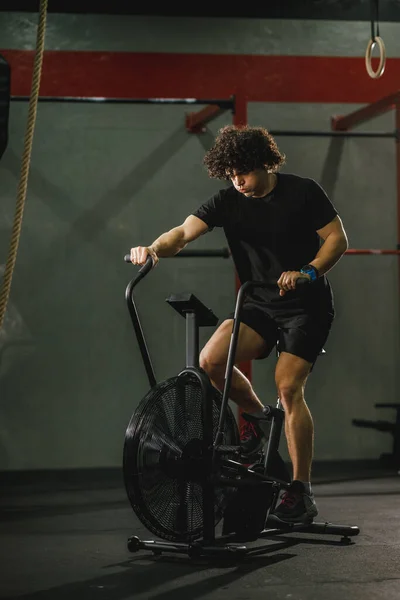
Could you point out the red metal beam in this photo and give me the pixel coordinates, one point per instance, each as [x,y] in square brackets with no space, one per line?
[195,121]
[366,113]
[309,79]
[240,111]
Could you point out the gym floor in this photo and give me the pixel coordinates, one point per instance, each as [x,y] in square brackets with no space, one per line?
[64,535]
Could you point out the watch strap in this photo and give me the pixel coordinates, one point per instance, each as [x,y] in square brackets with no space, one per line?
[310,270]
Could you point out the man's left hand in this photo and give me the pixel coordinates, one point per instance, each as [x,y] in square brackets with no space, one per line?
[287,281]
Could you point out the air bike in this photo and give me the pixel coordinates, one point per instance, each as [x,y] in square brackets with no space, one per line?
[182,463]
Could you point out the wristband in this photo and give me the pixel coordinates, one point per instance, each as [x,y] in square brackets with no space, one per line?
[311,271]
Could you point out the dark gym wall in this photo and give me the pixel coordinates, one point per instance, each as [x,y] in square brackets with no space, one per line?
[106,177]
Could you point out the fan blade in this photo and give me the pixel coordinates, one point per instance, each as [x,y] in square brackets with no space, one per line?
[164,440]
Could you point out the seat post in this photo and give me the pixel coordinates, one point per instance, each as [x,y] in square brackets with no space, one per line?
[197,315]
[192,339]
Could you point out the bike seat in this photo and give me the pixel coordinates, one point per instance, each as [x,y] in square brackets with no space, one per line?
[186,302]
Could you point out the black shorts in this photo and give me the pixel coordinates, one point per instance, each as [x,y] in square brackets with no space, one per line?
[301,334]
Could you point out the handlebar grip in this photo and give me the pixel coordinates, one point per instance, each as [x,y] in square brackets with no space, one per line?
[301,281]
[148,265]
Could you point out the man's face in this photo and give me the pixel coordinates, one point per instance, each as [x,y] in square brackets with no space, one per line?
[249,184]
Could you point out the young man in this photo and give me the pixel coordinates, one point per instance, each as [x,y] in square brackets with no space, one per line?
[279,227]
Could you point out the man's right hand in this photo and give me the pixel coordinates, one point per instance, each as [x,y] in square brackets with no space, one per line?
[140,253]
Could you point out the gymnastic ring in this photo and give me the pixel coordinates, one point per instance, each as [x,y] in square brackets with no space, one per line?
[382,57]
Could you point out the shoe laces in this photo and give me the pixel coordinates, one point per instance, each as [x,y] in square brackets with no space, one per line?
[247,430]
[289,499]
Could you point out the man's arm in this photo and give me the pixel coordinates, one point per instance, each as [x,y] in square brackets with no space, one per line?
[334,246]
[170,242]
[173,241]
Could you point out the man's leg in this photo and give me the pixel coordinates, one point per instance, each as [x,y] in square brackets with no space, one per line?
[213,360]
[297,504]
[214,356]
[290,376]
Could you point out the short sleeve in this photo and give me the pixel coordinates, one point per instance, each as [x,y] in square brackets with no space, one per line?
[211,212]
[320,210]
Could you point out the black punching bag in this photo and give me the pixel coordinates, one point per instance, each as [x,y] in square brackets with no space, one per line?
[5,90]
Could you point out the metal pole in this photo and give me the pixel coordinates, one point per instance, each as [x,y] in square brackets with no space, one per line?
[371,251]
[218,253]
[240,119]
[223,103]
[333,134]
[397,117]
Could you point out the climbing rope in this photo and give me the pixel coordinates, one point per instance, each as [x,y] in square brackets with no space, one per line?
[26,161]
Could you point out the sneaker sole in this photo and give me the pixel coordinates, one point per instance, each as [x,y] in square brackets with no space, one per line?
[304,521]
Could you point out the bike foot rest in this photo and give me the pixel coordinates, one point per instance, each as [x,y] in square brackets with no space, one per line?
[228,449]
[186,302]
[272,412]
[316,527]
[253,419]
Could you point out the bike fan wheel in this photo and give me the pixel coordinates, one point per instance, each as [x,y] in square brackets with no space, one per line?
[163,470]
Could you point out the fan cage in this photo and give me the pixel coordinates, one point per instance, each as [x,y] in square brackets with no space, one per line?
[165,496]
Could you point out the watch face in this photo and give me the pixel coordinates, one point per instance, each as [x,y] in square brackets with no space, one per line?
[310,272]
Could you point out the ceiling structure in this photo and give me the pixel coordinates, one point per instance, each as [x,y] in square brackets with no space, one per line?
[350,10]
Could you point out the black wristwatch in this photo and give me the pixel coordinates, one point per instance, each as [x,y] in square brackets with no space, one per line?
[311,271]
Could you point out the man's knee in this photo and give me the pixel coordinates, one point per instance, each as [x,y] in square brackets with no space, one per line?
[214,355]
[290,378]
[290,392]
[212,363]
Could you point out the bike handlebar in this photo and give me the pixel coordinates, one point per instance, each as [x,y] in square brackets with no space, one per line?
[143,271]
[205,253]
[146,268]
[148,265]
[302,281]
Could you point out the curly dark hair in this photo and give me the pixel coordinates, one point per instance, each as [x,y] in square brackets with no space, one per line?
[242,149]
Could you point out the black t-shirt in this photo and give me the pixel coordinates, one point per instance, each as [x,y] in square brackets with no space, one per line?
[273,234]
